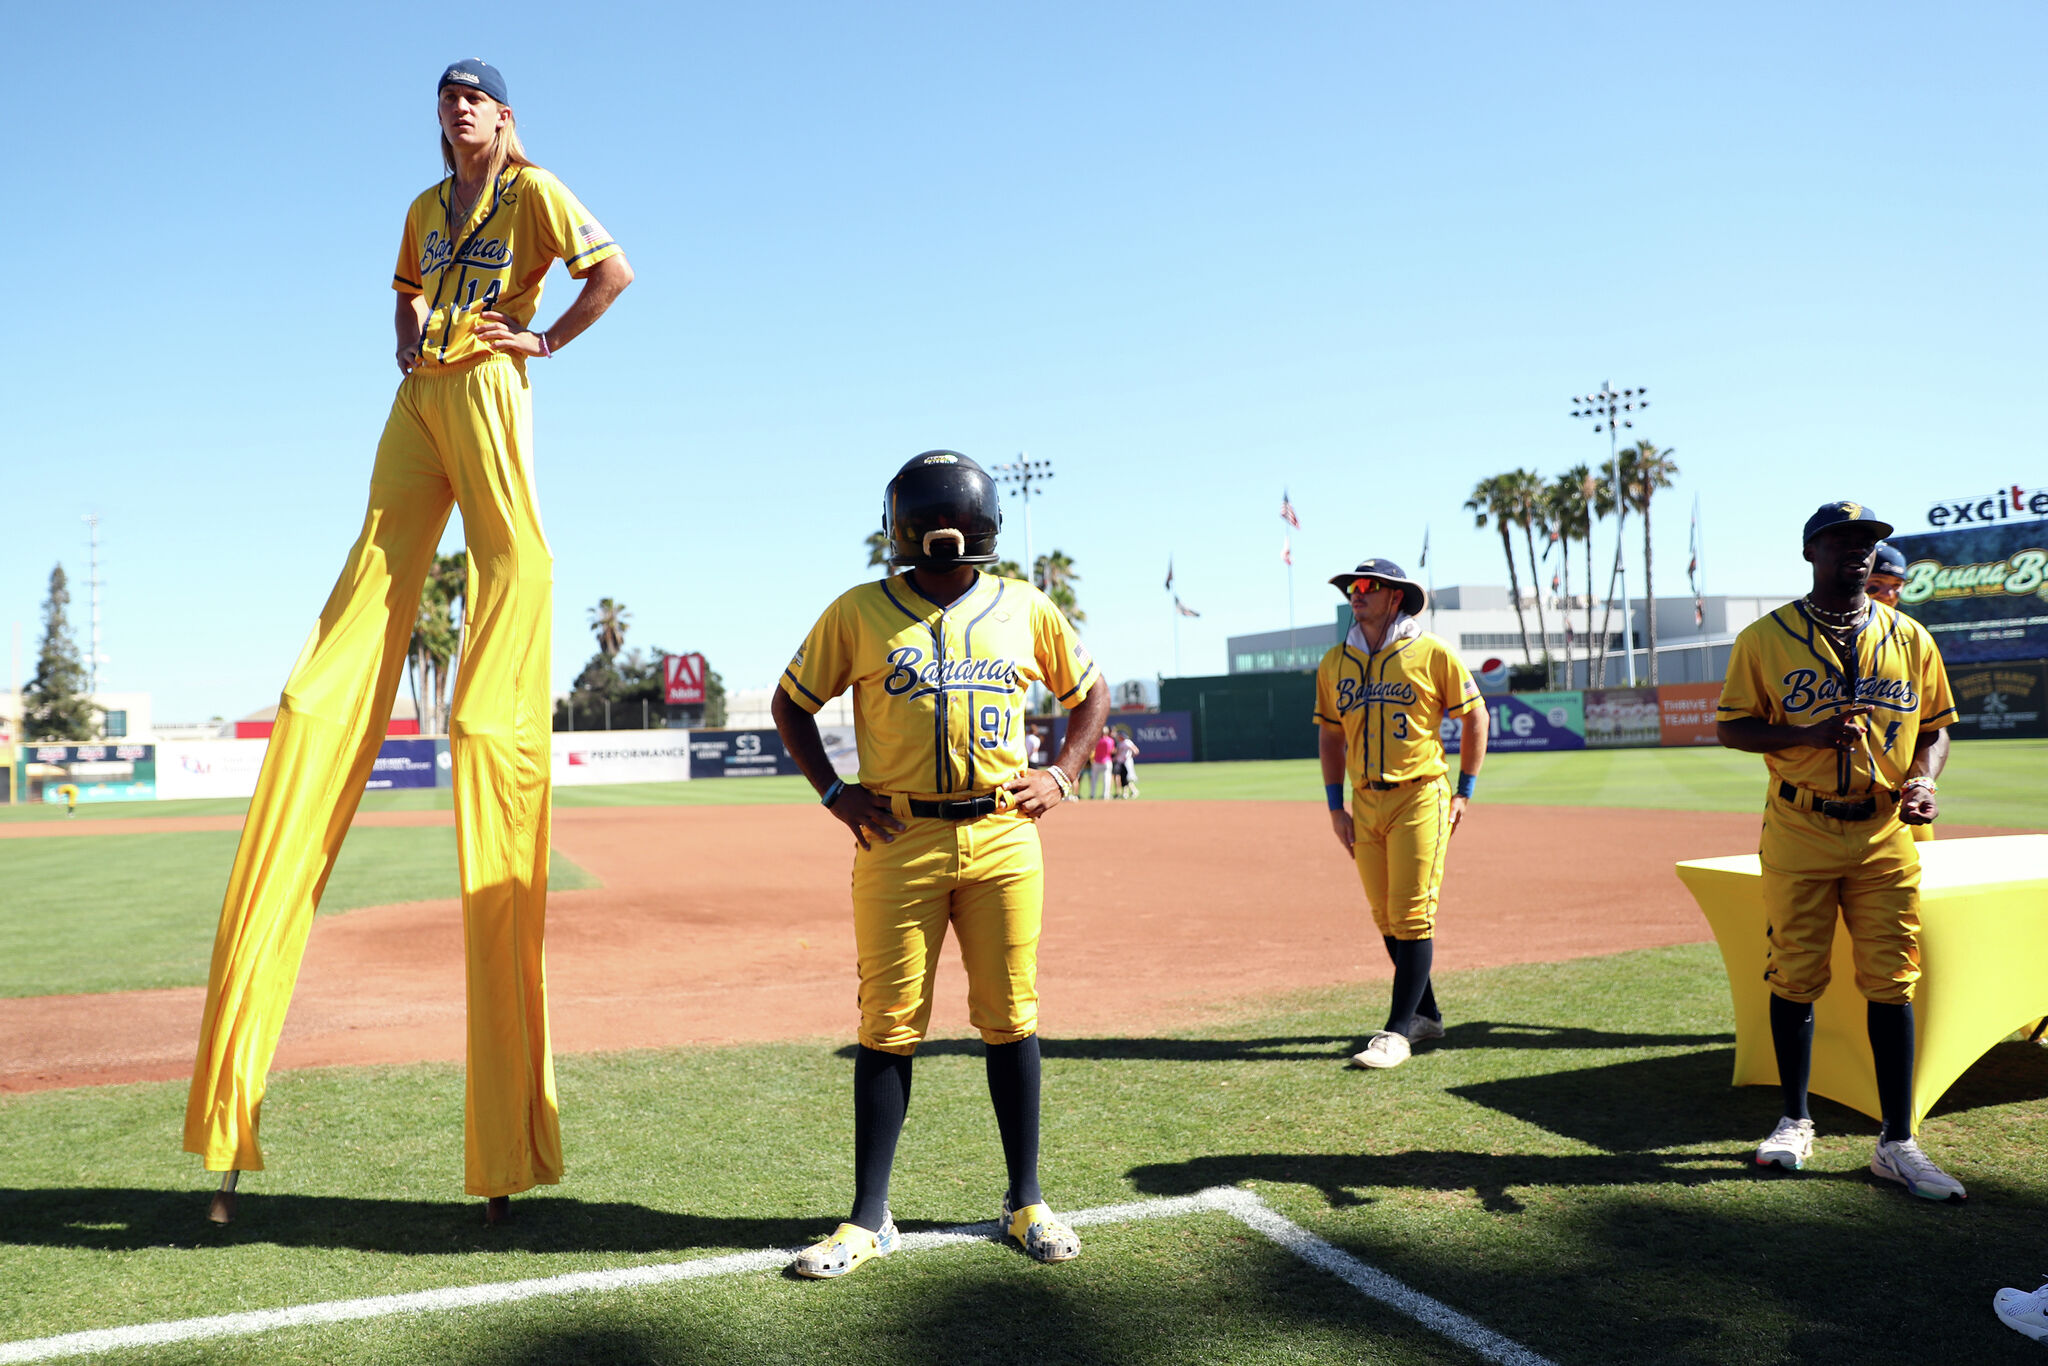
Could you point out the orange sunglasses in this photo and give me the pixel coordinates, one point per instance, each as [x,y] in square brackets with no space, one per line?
[1366,587]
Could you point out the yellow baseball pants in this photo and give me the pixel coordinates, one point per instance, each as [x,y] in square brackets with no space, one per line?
[453,439]
[1814,866]
[1399,839]
[984,877]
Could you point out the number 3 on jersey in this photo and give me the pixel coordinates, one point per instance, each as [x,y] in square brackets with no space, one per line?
[1400,725]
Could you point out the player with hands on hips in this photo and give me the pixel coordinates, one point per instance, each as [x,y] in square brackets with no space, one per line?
[941,659]
[473,253]
[1381,699]
[1848,702]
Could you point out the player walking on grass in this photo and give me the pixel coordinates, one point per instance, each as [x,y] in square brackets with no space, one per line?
[941,659]
[474,251]
[1381,699]
[1847,701]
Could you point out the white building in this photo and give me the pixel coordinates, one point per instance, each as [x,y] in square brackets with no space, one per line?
[1479,622]
[124,716]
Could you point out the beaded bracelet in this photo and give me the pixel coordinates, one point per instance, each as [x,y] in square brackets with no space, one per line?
[1059,776]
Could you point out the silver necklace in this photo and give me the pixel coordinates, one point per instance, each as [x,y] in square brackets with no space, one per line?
[1838,620]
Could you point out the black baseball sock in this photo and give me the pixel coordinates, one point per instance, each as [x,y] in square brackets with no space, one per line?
[1428,1005]
[1792,1041]
[1412,958]
[881,1098]
[1891,1044]
[1013,1085]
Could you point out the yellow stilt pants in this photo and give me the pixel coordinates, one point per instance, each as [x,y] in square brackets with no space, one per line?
[452,439]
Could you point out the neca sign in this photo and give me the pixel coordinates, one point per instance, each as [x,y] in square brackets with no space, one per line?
[1999,507]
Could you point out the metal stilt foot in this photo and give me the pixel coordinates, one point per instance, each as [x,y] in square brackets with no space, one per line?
[222,1210]
[498,1210]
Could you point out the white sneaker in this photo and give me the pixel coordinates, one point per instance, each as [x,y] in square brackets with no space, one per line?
[1789,1145]
[1384,1049]
[1904,1163]
[1422,1029]
[2023,1311]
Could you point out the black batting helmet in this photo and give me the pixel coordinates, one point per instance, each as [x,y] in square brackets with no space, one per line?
[941,511]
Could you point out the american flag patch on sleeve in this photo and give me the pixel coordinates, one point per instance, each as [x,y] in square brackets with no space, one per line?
[589,232]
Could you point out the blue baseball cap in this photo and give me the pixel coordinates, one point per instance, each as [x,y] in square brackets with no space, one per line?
[1386,571]
[477,74]
[1837,514]
[1890,560]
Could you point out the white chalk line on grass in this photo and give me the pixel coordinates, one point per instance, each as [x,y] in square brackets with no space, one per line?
[1242,1205]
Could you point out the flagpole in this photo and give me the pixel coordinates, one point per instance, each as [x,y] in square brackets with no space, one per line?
[1699,589]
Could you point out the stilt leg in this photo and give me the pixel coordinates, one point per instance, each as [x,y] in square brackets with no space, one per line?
[222,1210]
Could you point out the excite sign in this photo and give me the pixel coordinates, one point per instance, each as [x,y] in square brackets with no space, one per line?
[684,676]
[2001,506]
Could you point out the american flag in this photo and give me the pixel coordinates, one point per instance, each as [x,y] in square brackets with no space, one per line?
[589,232]
[1287,513]
[1692,571]
[1286,551]
[1183,608]
[1169,573]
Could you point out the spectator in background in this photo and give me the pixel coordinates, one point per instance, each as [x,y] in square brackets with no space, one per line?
[1034,749]
[1098,764]
[1127,752]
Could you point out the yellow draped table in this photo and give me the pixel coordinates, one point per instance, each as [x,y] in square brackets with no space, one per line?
[1983,959]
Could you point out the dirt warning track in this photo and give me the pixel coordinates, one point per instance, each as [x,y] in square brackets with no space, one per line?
[727,924]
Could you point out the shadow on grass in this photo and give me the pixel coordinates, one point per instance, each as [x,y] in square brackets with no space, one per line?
[115,1219]
[1296,1047]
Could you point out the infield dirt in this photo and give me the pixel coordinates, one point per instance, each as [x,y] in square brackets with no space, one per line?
[732,924]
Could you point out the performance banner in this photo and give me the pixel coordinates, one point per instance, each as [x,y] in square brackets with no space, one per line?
[2000,701]
[1622,718]
[1981,592]
[588,758]
[1529,721]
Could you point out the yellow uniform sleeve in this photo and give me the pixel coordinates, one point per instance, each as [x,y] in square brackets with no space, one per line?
[1454,684]
[1937,703]
[1326,713]
[567,229]
[823,667]
[1743,693]
[1063,660]
[406,278]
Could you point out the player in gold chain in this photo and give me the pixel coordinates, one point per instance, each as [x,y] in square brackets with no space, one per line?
[1847,701]
[1382,697]
[473,253]
[941,660]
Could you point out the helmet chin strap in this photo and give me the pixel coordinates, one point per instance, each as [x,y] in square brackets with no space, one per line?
[942,535]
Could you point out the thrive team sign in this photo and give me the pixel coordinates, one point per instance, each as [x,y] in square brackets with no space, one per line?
[1982,593]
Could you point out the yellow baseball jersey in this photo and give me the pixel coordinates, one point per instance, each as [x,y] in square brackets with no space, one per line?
[939,692]
[1785,671]
[1390,705]
[494,260]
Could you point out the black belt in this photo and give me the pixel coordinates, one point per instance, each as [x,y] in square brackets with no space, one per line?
[966,809]
[1389,787]
[1825,806]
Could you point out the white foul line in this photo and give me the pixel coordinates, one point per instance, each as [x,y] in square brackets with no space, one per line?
[1242,1205]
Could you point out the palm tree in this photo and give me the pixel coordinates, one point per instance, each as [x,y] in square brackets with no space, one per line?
[609,623]
[1653,470]
[1493,498]
[878,551]
[1055,577]
[1524,490]
[1571,512]
[450,576]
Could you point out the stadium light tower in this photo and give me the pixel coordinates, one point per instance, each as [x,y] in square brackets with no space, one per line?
[92,687]
[1024,478]
[1609,410]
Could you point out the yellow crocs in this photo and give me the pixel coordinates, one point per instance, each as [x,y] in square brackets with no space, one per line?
[1040,1233]
[846,1249]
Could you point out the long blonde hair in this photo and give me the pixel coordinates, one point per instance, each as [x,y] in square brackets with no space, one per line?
[506,149]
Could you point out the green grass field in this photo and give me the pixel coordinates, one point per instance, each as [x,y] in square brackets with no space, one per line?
[1570,1168]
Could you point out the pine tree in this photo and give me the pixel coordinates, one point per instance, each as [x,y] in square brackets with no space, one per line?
[55,705]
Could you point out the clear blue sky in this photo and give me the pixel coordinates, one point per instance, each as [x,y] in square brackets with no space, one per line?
[1191,253]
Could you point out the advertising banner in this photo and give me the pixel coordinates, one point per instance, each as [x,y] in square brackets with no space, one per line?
[589,758]
[683,677]
[2000,701]
[1982,592]
[186,769]
[402,763]
[1529,721]
[1164,737]
[100,773]
[1622,718]
[738,754]
[1686,713]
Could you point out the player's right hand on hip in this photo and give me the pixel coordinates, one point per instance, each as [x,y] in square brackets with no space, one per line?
[862,811]
[1347,833]
[1840,731]
[408,358]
